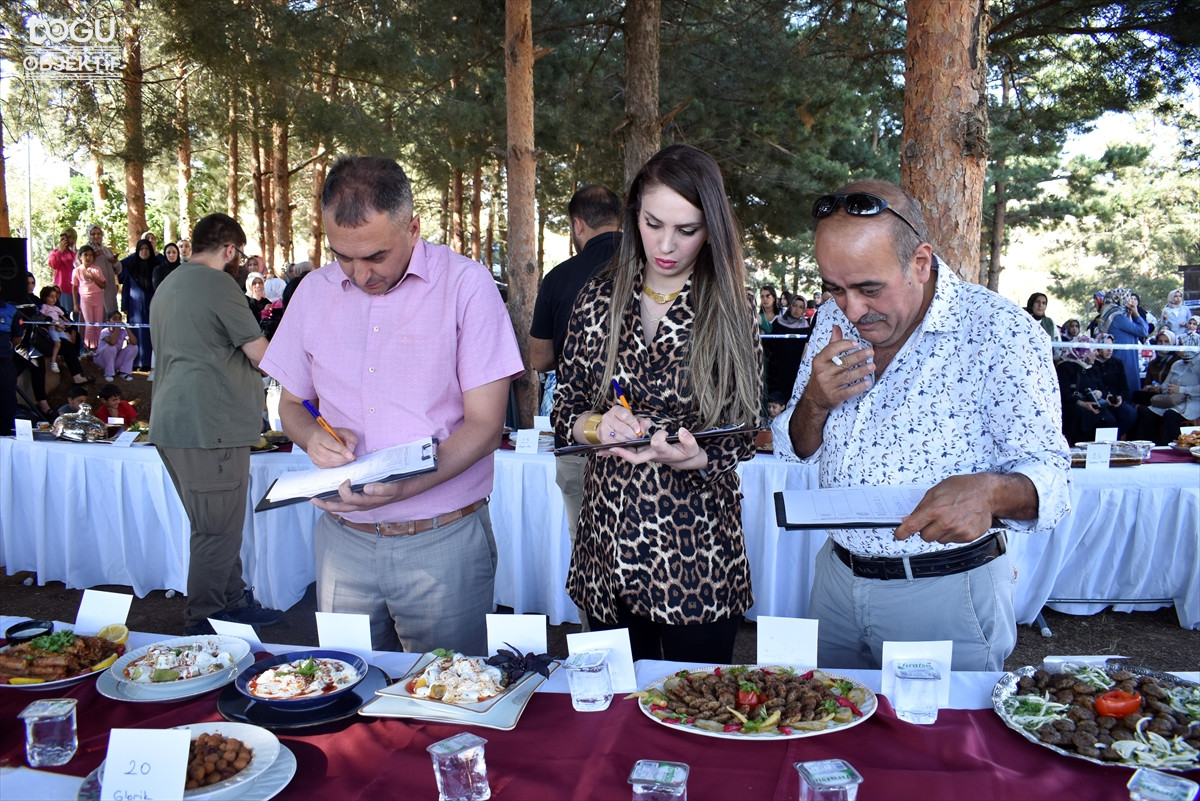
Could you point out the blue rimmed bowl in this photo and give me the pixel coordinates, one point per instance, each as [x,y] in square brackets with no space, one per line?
[304,703]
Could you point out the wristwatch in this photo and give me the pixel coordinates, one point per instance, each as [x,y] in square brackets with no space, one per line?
[589,429]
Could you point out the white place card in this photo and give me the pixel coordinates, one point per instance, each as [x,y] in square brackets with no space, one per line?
[24,429]
[787,641]
[620,655]
[527,633]
[243,631]
[542,423]
[1098,454]
[116,421]
[99,609]
[125,439]
[145,763]
[527,440]
[1188,429]
[1106,435]
[939,652]
[345,632]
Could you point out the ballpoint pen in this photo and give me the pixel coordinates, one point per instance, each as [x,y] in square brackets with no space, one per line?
[324,423]
[625,403]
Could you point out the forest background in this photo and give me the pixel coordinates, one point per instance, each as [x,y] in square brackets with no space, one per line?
[240,106]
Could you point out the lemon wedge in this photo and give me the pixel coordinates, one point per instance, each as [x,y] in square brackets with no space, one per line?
[114,633]
[25,680]
[101,665]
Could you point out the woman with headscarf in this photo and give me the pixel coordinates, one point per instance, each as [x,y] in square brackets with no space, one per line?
[1160,365]
[171,260]
[1119,316]
[1175,315]
[1036,306]
[136,294]
[256,294]
[1106,381]
[1078,405]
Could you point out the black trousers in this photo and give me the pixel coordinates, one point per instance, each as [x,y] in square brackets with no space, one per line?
[700,642]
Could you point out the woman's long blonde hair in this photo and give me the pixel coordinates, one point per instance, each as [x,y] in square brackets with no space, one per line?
[723,364]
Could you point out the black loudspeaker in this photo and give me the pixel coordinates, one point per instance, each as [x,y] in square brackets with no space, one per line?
[12,257]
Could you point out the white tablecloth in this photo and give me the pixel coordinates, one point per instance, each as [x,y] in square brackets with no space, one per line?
[93,514]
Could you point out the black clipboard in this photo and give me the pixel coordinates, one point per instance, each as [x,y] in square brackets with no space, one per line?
[640,441]
[428,464]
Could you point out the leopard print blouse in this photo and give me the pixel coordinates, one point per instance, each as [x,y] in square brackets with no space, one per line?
[667,542]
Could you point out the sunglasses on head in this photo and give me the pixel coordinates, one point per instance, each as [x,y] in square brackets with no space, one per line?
[857,204]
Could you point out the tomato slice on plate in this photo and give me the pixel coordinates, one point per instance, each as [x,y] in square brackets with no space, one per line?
[1118,703]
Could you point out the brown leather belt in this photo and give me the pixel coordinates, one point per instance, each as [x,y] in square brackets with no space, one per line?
[406,528]
[944,563]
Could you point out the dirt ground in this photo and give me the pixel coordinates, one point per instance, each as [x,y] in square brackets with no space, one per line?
[1151,639]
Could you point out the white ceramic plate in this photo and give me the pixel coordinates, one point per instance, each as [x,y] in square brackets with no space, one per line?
[237,648]
[868,709]
[503,715]
[267,751]
[109,687]
[400,689]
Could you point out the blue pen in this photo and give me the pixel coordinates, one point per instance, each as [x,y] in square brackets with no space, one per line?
[324,423]
[625,403]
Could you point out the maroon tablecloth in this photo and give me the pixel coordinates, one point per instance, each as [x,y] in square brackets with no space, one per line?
[556,753]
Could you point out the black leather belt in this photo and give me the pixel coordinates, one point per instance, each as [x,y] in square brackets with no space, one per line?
[945,563]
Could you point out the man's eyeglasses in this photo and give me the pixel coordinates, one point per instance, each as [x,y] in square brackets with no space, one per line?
[242,255]
[857,204]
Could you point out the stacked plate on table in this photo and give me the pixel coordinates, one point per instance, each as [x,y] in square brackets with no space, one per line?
[127,679]
[497,712]
[272,766]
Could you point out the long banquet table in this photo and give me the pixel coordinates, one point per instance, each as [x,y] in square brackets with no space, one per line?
[94,514]
[557,753]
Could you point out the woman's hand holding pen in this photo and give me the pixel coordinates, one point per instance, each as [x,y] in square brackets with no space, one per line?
[620,424]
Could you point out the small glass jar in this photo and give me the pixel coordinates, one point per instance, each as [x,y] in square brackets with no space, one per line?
[653,780]
[915,697]
[1153,785]
[50,734]
[460,769]
[828,780]
[588,678]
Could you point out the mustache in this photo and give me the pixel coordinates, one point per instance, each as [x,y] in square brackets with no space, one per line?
[873,317]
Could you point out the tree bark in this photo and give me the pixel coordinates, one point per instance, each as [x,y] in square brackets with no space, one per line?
[999,206]
[943,162]
[476,201]
[266,177]
[5,228]
[231,148]
[521,161]
[131,115]
[283,205]
[642,133]
[183,151]
[316,230]
[457,238]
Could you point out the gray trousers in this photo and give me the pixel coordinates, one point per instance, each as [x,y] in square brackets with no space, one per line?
[973,609]
[212,483]
[430,590]
[568,475]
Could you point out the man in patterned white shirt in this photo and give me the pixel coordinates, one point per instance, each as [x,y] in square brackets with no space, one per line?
[955,389]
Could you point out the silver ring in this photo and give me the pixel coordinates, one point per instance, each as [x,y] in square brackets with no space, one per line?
[837,360]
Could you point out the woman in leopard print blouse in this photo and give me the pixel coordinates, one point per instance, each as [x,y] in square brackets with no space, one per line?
[659,547]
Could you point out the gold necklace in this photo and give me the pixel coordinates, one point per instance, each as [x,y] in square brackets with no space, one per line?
[659,297]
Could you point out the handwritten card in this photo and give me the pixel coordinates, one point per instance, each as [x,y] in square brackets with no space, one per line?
[939,652]
[243,631]
[787,641]
[145,763]
[1098,454]
[99,609]
[620,655]
[345,632]
[125,439]
[524,632]
[24,429]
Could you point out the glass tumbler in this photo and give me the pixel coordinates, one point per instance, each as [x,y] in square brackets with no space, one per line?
[50,734]
[459,768]
[588,677]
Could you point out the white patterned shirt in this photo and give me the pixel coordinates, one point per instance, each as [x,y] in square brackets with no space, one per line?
[973,390]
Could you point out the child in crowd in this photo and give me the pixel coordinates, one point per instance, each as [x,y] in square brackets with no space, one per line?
[76,397]
[111,406]
[116,349]
[58,332]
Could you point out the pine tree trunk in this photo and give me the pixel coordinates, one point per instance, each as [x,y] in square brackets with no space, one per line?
[283,205]
[183,151]
[457,240]
[943,162]
[131,115]
[316,230]
[266,177]
[523,272]
[5,228]
[476,202]
[231,148]
[642,134]
[999,213]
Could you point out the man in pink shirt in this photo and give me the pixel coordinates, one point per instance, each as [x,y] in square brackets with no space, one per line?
[399,339]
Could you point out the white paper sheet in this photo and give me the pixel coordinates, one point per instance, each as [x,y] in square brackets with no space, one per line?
[840,507]
[526,633]
[399,460]
[939,652]
[243,631]
[787,641]
[340,631]
[98,609]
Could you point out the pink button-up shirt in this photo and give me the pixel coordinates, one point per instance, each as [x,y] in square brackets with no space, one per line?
[393,368]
